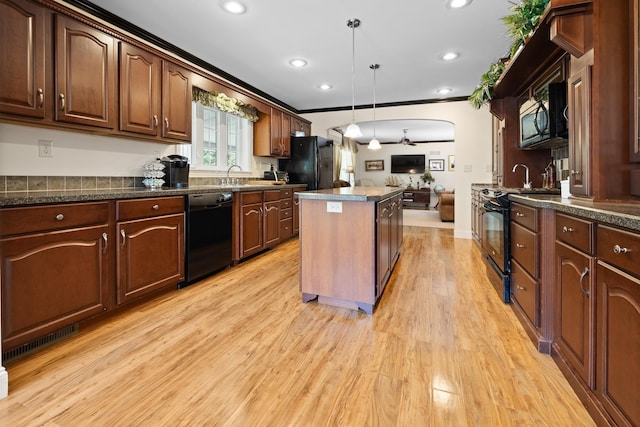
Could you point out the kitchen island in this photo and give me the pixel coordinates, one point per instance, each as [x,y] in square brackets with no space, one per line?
[350,240]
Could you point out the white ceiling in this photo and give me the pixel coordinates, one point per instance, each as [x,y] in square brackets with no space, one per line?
[406,37]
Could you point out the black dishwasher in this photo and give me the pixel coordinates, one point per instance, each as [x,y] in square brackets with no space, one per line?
[208,239]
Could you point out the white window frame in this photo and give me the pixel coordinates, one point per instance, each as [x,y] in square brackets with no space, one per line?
[195,152]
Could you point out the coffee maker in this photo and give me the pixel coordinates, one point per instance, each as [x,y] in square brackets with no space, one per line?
[176,171]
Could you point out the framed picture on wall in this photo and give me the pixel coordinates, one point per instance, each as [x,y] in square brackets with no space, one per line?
[436,164]
[374,165]
[452,162]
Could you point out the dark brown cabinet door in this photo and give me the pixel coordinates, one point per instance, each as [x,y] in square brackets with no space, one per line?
[52,280]
[579,111]
[150,254]
[618,374]
[575,313]
[383,245]
[140,84]
[296,214]
[276,147]
[285,135]
[85,75]
[251,234]
[176,102]
[22,85]
[271,223]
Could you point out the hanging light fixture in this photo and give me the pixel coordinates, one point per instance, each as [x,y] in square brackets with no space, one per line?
[374,144]
[353,130]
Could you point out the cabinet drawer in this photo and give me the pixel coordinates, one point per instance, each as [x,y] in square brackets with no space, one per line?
[524,248]
[142,208]
[286,203]
[271,195]
[251,198]
[619,248]
[525,216]
[524,290]
[53,217]
[575,232]
[286,228]
[286,193]
[286,213]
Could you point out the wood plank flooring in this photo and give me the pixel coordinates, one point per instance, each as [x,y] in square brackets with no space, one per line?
[241,349]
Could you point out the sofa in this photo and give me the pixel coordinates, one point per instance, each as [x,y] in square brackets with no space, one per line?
[446,205]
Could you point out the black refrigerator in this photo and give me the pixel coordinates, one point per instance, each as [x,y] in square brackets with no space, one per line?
[311,162]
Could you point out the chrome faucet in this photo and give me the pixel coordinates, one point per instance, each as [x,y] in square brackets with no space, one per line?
[527,184]
[229,170]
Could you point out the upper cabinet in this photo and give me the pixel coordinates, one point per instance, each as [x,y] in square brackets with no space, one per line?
[85,74]
[22,48]
[272,135]
[155,95]
[635,143]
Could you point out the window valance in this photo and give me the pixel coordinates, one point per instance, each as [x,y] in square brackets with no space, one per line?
[225,103]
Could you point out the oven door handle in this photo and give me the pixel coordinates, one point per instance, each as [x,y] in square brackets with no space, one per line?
[493,207]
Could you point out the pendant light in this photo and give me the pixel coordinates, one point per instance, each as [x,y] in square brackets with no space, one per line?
[374,144]
[353,130]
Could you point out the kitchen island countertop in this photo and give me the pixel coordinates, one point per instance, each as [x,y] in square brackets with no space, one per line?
[352,194]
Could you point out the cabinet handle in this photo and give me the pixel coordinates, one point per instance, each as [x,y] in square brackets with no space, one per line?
[582,276]
[574,172]
[155,121]
[62,103]
[521,288]
[59,217]
[617,249]
[519,215]
[155,207]
[124,238]
[166,123]
[519,246]
[566,229]
[106,243]
[40,98]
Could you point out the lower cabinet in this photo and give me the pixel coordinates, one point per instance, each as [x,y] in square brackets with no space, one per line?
[286,214]
[259,224]
[618,324]
[389,239]
[55,268]
[150,251]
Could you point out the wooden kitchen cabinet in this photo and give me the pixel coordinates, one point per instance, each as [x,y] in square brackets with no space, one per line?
[272,135]
[155,95]
[575,299]
[389,239]
[525,261]
[150,247]
[259,221]
[579,113]
[85,64]
[23,66]
[286,214]
[55,268]
[299,125]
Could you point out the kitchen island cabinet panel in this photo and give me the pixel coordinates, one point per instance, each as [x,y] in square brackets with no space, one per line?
[22,48]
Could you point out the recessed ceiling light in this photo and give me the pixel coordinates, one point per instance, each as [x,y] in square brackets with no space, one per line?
[449,56]
[233,7]
[444,90]
[298,63]
[325,86]
[457,4]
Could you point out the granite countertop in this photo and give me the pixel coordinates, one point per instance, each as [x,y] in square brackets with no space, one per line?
[621,214]
[352,194]
[26,198]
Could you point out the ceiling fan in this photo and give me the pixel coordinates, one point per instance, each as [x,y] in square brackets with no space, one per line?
[404,140]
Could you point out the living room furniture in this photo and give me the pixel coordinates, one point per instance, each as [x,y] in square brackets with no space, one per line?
[446,205]
[416,198]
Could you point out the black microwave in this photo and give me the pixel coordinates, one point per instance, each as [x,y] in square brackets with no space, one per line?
[543,118]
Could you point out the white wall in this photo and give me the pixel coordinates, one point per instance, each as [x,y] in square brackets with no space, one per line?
[472,147]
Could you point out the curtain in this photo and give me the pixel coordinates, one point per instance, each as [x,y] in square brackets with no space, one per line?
[224,103]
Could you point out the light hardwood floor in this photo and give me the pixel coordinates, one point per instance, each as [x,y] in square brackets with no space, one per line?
[241,349]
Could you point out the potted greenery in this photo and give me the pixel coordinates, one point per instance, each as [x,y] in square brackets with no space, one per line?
[427,178]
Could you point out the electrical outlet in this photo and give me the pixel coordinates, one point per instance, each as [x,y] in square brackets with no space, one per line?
[468,168]
[45,148]
[335,207]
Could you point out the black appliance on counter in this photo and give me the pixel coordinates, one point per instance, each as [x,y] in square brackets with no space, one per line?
[208,237]
[311,162]
[176,171]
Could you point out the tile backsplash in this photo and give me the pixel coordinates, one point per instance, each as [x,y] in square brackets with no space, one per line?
[61,183]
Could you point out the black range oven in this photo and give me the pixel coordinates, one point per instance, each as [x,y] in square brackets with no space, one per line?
[496,219]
